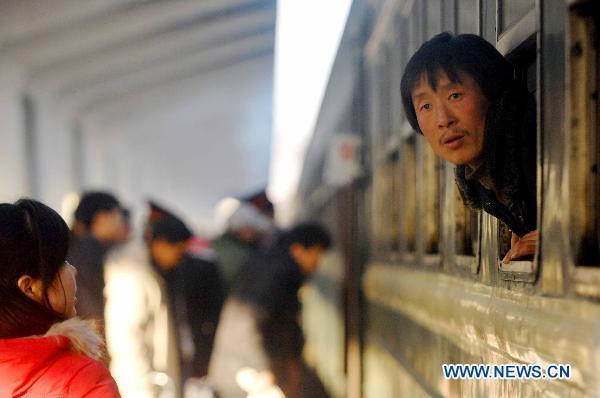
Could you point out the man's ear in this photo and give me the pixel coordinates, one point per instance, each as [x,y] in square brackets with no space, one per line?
[31,287]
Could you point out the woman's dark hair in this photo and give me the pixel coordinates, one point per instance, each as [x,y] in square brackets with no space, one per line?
[465,53]
[34,241]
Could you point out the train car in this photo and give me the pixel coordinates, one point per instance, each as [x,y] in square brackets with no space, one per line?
[415,280]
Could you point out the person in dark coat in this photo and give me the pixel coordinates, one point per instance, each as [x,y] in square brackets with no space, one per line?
[268,290]
[99,224]
[195,292]
[244,229]
[461,94]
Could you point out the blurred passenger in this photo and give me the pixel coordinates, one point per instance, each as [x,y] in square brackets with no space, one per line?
[156,212]
[261,202]
[259,341]
[140,329]
[196,290]
[245,227]
[99,225]
[44,350]
[199,286]
[162,310]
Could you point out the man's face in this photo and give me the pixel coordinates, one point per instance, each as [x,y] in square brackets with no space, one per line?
[166,254]
[109,225]
[307,257]
[452,118]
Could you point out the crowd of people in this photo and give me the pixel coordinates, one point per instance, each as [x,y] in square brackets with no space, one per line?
[95,311]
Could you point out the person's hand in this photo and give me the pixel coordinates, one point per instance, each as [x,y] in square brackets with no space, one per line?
[258,384]
[521,247]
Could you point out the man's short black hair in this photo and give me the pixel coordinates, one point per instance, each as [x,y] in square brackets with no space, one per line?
[92,203]
[465,53]
[171,229]
[309,234]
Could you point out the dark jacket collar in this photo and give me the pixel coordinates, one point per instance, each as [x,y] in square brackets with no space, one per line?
[509,156]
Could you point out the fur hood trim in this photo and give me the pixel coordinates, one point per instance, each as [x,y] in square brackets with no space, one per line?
[83,336]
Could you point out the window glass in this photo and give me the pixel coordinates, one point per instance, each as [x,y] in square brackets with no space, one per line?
[392,205]
[524,61]
[467,16]
[385,113]
[408,194]
[377,211]
[434,18]
[431,208]
[467,227]
[513,10]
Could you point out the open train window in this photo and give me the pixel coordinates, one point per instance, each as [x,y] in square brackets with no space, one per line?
[516,30]
[524,59]
[584,139]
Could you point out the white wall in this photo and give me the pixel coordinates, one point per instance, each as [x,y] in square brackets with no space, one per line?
[169,109]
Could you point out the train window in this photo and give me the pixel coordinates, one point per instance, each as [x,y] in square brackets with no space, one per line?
[466,15]
[407,193]
[392,202]
[434,17]
[378,221]
[396,71]
[524,60]
[411,23]
[460,225]
[430,194]
[374,109]
[521,28]
[386,210]
[385,92]
[511,11]
[466,234]
[584,139]
[376,141]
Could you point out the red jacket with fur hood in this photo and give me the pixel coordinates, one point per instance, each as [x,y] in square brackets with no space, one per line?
[61,364]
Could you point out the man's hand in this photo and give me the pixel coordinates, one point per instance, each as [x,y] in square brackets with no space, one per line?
[521,247]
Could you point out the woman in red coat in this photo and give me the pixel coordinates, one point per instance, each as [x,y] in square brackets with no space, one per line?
[44,350]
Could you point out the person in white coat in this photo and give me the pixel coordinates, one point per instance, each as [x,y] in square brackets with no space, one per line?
[141,336]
